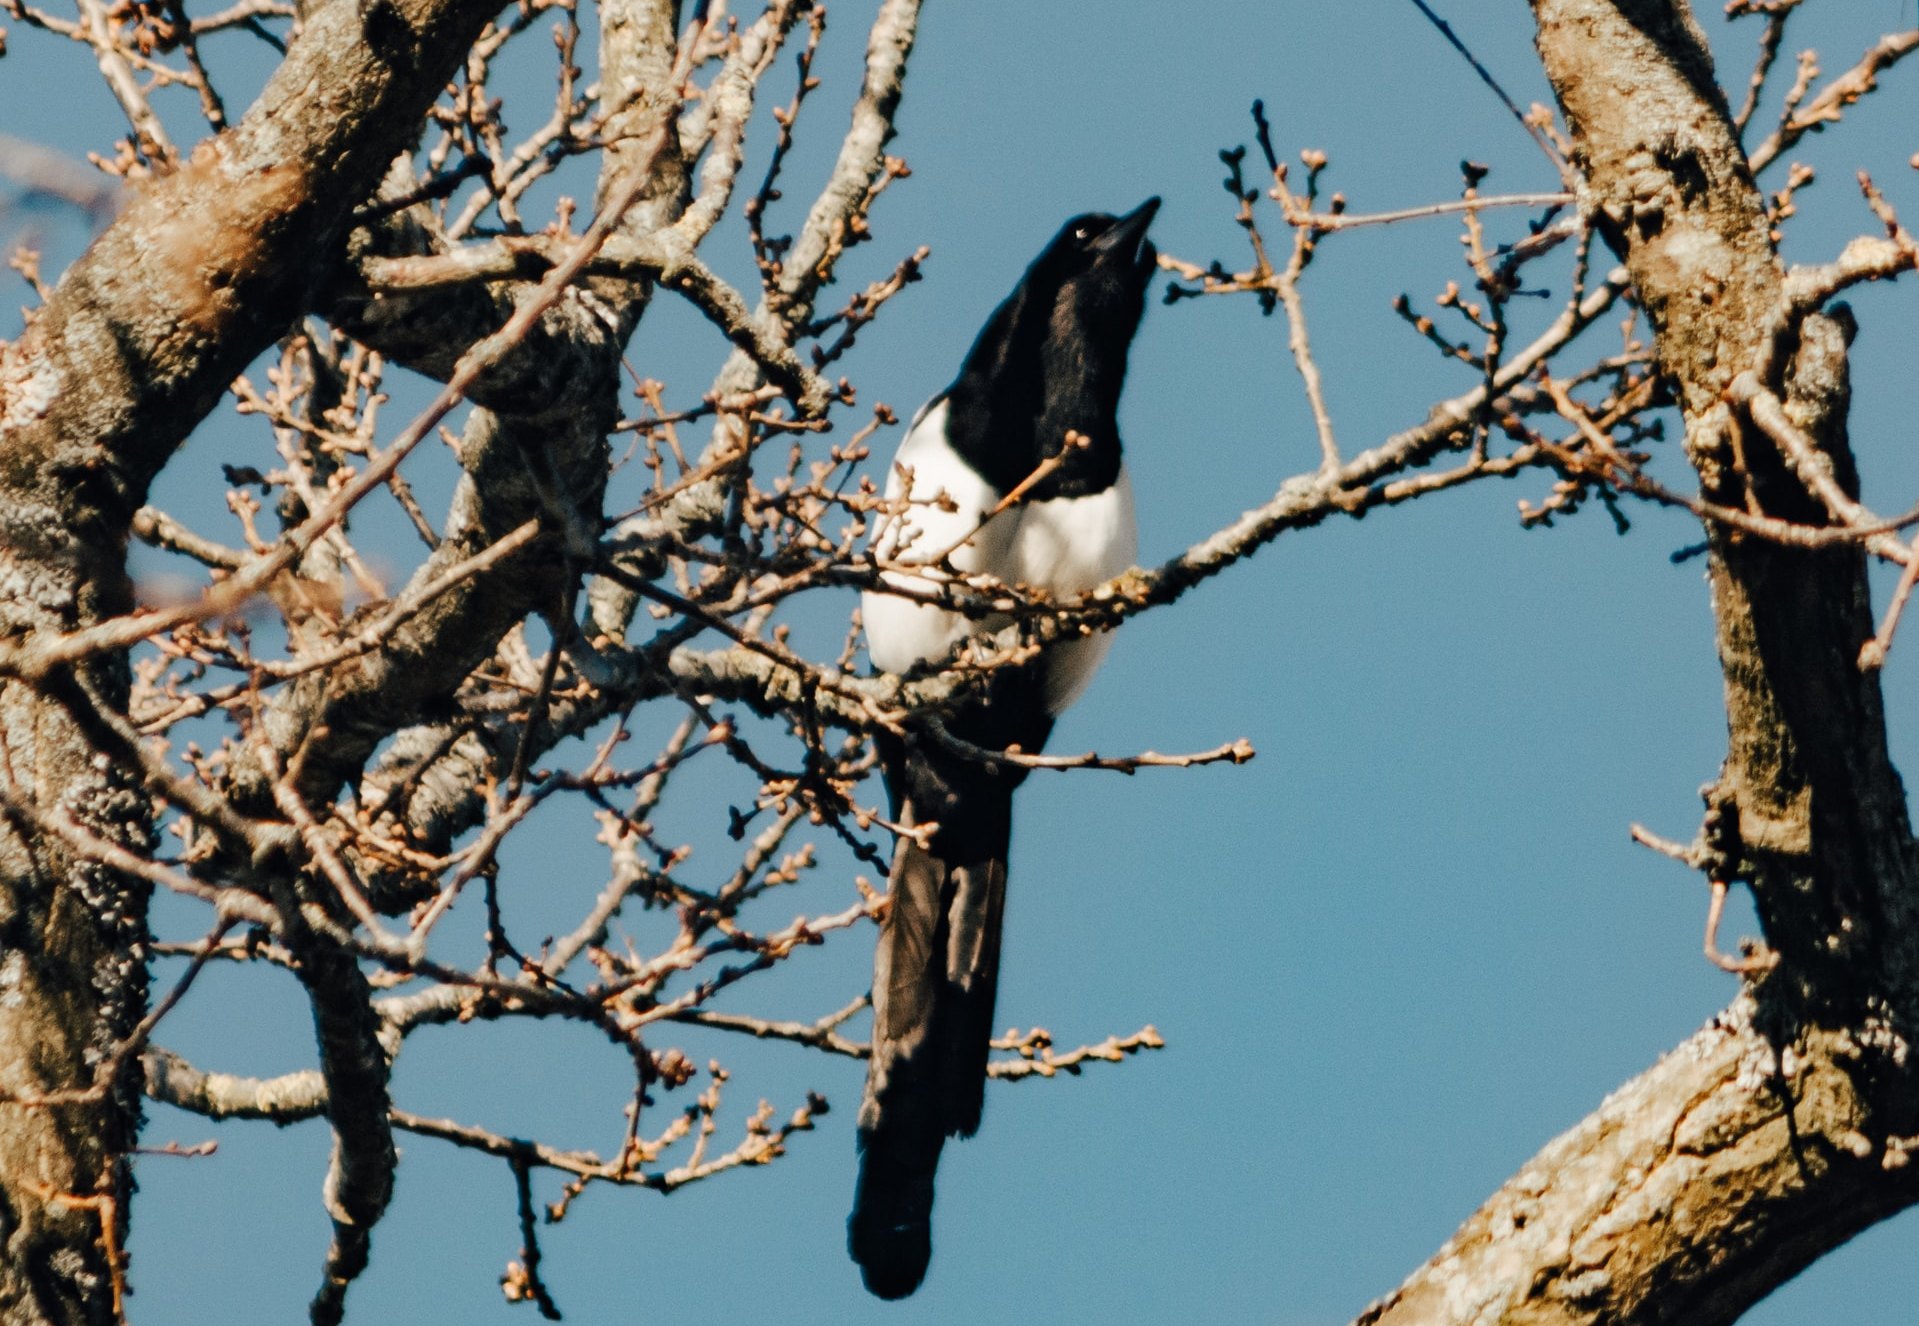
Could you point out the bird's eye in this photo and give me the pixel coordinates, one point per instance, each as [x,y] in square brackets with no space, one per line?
[1082,232]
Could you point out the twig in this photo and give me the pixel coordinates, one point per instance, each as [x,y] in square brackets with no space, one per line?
[1326,222]
[107,1207]
[1872,654]
[1036,1057]
[1769,42]
[522,1279]
[1757,958]
[151,135]
[1233,752]
[1812,465]
[1834,98]
[820,1035]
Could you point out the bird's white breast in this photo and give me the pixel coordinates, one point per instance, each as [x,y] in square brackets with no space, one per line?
[1067,546]
[1063,546]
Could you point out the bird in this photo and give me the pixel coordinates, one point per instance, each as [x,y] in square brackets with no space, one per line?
[1014,471]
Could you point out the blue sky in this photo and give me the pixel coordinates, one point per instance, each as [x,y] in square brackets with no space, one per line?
[1391,958]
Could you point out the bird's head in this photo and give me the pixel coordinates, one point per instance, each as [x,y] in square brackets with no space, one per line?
[1069,322]
[1097,269]
[1052,358]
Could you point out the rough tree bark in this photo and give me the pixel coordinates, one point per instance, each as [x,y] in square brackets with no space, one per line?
[1768,1138]
[208,264]
[1780,1130]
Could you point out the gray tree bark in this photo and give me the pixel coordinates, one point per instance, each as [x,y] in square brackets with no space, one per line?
[204,269]
[1781,1130]
[1768,1138]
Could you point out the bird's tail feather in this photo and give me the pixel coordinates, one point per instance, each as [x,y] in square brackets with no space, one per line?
[934,981]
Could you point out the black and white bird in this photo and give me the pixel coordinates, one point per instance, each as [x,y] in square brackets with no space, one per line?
[1048,363]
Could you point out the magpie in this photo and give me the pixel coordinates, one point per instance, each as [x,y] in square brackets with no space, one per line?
[1038,395]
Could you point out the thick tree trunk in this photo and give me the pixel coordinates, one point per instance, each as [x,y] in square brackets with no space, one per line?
[1781,1130]
[204,268]
[72,985]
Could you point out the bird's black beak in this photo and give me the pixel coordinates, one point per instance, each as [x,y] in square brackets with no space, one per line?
[1128,235]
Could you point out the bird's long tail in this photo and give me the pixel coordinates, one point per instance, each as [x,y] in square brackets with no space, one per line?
[934,980]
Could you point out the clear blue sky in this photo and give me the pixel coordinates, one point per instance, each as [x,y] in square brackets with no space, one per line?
[1391,958]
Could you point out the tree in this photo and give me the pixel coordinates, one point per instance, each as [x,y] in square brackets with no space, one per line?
[330,760]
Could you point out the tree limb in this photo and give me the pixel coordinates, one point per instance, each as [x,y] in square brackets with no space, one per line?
[1781,1129]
